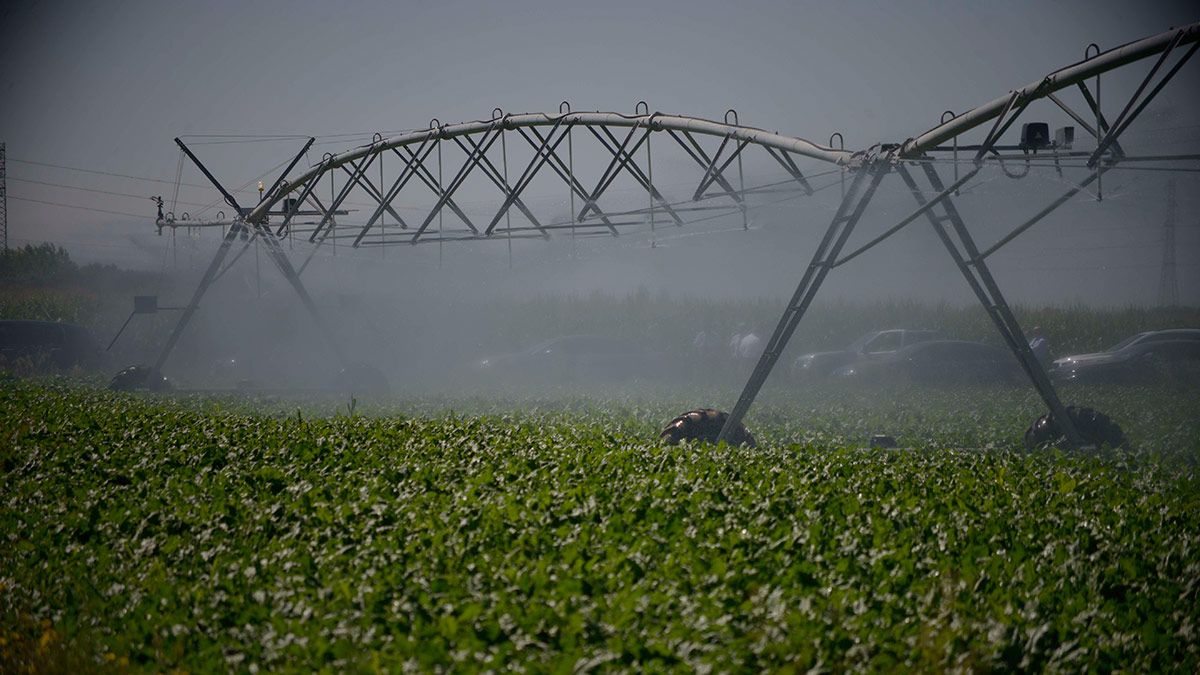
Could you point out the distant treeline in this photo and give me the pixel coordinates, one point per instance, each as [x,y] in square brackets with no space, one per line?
[50,265]
[41,282]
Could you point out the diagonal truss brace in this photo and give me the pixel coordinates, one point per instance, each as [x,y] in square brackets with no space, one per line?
[698,155]
[1062,199]
[426,176]
[1109,140]
[360,169]
[624,161]
[411,165]
[713,171]
[1130,113]
[210,275]
[473,159]
[1116,147]
[1002,124]
[493,174]
[922,210]
[610,171]
[785,160]
[563,169]
[304,195]
[512,194]
[374,193]
[1102,121]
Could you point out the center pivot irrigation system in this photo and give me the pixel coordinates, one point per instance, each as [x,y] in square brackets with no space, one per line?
[307,207]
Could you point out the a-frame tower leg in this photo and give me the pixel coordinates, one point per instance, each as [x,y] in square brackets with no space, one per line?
[962,249]
[210,274]
[274,250]
[862,188]
[280,258]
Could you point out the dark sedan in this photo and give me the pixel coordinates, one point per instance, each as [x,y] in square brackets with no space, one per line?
[576,358]
[938,362]
[47,345]
[1145,358]
[874,345]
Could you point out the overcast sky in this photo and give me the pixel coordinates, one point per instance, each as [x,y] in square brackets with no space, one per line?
[107,85]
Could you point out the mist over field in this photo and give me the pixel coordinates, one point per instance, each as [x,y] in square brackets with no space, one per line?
[624,336]
[424,313]
[425,323]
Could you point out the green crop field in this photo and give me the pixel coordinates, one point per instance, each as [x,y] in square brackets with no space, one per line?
[554,534]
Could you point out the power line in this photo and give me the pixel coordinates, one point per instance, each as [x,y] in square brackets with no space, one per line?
[302,136]
[3,197]
[275,137]
[88,244]
[240,141]
[242,187]
[82,208]
[103,192]
[1101,268]
[110,173]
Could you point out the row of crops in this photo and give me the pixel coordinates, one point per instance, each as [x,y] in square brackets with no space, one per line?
[550,532]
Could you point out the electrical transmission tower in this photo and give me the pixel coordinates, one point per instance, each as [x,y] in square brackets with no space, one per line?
[3,201]
[1168,285]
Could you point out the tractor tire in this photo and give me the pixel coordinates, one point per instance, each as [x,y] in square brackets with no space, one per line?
[139,378]
[704,425]
[1095,427]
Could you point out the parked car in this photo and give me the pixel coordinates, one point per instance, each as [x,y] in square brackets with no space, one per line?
[870,346]
[47,345]
[1145,357]
[576,358]
[937,362]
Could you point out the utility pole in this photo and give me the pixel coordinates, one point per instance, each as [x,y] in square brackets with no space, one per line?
[1168,284]
[3,200]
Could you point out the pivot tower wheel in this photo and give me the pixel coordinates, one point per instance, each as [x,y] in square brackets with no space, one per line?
[703,424]
[139,378]
[1096,428]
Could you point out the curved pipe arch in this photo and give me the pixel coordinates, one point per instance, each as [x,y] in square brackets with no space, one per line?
[654,121]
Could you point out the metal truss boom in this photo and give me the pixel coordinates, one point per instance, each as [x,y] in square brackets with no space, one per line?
[610,120]
[1059,79]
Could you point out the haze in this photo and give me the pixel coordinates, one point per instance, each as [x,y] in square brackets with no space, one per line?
[107,86]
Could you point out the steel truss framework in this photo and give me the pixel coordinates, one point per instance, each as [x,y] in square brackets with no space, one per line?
[623,139]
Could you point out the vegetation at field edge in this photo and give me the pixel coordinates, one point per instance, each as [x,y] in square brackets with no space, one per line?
[175,537]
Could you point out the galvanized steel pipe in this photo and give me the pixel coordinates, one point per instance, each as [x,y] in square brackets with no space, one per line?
[656,121]
[1059,79]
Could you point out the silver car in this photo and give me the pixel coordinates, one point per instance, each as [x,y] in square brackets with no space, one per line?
[874,345]
[1140,358]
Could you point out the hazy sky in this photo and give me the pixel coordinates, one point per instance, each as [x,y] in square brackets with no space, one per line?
[107,85]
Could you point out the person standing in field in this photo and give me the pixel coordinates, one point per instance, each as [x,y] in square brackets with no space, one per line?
[751,345]
[735,343]
[1040,346]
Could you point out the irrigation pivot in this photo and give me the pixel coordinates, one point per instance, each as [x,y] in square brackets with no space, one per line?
[509,153]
